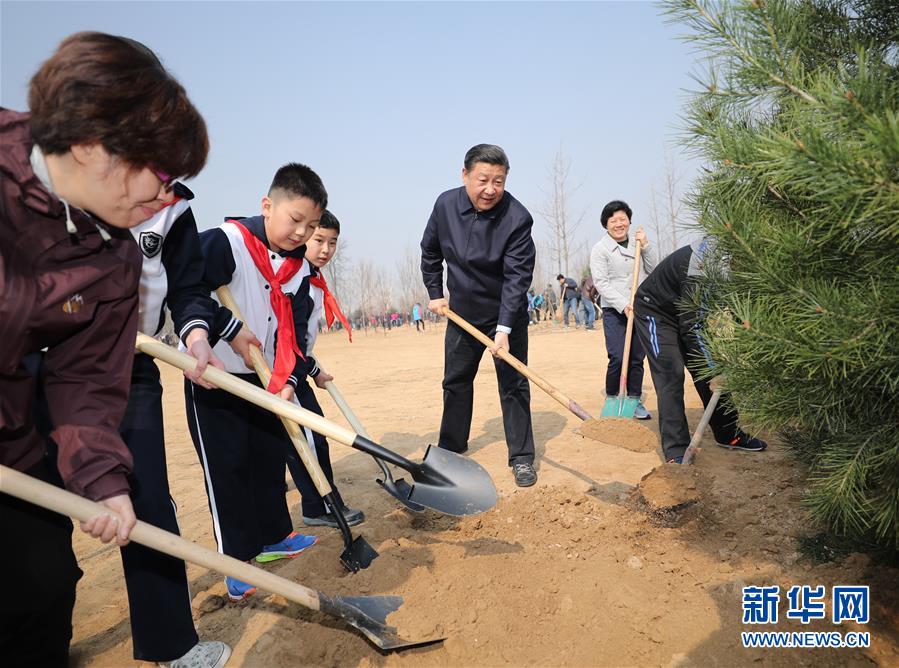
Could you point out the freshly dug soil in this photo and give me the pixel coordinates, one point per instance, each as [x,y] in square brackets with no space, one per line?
[566,573]
[670,486]
[623,432]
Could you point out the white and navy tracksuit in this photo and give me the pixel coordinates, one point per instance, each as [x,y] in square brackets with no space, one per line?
[242,447]
[172,276]
[308,313]
[671,335]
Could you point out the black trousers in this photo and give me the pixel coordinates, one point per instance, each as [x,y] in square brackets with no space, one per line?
[162,627]
[39,578]
[312,502]
[241,449]
[462,354]
[670,345]
[614,327]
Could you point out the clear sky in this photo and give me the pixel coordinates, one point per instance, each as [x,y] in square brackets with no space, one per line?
[383,99]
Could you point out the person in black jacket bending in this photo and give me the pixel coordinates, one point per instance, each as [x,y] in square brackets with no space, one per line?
[484,235]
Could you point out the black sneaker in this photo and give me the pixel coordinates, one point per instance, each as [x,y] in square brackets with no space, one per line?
[745,442]
[352,516]
[524,473]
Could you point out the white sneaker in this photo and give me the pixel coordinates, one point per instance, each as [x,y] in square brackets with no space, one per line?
[207,654]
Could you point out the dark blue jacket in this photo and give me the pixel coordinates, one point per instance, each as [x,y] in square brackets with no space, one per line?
[489,257]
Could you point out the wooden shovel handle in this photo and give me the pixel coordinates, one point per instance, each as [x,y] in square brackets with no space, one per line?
[241,388]
[519,366]
[693,448]
[53,498]
[622,388]
[265,373]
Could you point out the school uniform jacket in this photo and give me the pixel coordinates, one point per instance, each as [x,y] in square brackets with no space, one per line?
[612,268]
[228,262]
[172,275]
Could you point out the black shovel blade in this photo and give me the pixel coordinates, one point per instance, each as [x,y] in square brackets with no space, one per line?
[369,615]
[400,490]
[452,484]
[359,554]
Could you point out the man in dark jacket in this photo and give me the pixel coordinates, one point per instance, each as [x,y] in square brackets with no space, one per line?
[484,235]
[671,334]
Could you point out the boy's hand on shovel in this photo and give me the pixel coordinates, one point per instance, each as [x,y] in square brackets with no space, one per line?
[322,378]
[501,340]
[242,342]
[107,526]
[198,347]
[286,392]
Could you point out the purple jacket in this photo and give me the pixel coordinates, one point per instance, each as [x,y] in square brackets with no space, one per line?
[76,296]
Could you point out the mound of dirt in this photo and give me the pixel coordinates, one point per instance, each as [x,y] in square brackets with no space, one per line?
[623,432]
[670,486]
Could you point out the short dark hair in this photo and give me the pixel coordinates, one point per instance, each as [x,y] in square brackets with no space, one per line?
[559,277]
[489,153]
[611,208]
[114,91]
[296,180]
[329,222]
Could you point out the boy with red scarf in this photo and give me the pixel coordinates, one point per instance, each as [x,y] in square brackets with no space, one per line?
[241,446]
[319,251]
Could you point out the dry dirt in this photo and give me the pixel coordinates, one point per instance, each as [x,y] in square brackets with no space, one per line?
[624,433]
[582,569]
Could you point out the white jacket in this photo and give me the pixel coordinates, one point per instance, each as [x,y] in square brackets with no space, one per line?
[612,268]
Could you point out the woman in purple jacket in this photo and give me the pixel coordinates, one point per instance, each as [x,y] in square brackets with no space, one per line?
[109,128]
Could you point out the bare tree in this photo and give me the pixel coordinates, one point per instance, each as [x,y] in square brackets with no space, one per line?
[665,208]
[555,211]
[409,280]
[337,273]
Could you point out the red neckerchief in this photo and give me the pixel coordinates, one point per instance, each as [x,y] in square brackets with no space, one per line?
[286,348]
[332,308]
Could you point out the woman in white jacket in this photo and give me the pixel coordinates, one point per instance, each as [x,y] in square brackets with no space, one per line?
[612,267]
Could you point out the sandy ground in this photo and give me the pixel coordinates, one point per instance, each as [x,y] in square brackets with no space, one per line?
[579,570]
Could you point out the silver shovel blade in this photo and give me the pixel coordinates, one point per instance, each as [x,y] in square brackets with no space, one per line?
[452,484]
[369,615]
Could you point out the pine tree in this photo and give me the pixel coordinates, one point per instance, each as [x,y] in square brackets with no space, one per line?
[797,120]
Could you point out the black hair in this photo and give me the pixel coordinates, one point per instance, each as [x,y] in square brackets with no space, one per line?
[489,153]
[611,208]
[329,222]
[559,277]
[298,180]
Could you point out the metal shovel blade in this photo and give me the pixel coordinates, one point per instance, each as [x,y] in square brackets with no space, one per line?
[359,554]
[400,490]
[369,615]
[619,406]
[452,484]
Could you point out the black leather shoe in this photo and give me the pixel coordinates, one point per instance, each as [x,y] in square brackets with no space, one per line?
[524,473]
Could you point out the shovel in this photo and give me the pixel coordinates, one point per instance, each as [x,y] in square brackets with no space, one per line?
[366,613]
[693,448]
[624,406]
[519,366]
[399,489]
[445,481]
[357,553]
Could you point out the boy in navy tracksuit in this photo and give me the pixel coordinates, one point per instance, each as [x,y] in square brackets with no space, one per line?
[319,251]
[162,625]
[241,446]
[671,334]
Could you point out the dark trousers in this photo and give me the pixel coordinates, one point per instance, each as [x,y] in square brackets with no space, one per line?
[462,354]
[312,502]
[162,626]
[614,327]
[241,449]
[670,345]
[419,325]
[39,578]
